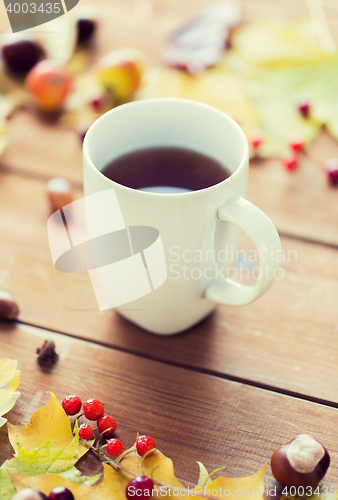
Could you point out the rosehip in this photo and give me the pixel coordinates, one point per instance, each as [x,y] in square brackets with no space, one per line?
[61,493]
[86,432]
[49,83]
[93,409]
[331,168]
[290,162]
[120,72]
[304,107]
[256,140]
[140,487]
[114,447]
[297,145]
[106,422]
[144,444]
[72,405]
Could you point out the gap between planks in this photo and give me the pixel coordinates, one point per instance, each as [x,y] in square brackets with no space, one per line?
[191,368]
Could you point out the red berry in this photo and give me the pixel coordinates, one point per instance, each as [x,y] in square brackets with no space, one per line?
[72,405]
[331,168]
[114,447]
[290,162]
[144,444]
[256,140]
[106,422]
[304,107]
[140,487]
[93,409]
[61,493]
[96,103]
[86,432]
[297,145]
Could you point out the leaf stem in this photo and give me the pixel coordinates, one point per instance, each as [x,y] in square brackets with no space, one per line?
[149,452]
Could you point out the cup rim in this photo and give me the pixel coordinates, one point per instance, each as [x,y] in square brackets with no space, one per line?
[141,102]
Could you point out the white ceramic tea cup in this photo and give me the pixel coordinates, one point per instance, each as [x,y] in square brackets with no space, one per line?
[195,227]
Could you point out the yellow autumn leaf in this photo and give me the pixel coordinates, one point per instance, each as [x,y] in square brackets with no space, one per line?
[273,44]
[48,458]
[240,488]
[164,471]
[260,81]
[49,422]
[115,482]
[9,381]
[113,485]
[282,62]
[218,86]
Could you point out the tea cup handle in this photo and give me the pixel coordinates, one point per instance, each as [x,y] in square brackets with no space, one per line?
[265,237]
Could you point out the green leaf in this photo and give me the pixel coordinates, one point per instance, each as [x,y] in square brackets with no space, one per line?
[46,459]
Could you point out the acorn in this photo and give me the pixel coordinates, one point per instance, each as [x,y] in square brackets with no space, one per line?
[301,462]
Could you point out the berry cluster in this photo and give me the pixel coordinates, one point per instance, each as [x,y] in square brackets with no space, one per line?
[141,486]
[291,161]
[93,410]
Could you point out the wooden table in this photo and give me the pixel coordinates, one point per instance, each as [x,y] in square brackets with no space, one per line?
[227,392]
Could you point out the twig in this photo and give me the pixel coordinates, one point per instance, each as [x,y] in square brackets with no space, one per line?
[119,467]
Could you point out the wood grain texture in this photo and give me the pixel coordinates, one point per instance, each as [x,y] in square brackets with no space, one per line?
[191,416]
[287,339]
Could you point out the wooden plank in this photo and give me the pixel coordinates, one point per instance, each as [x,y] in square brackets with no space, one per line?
[191,416]
[287,339]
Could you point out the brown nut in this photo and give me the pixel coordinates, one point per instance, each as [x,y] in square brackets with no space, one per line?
[29,494]
[59,193]
[301,462]
[9,309]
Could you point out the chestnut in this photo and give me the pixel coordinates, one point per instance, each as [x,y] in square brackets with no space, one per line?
[85,30]
[59,193]
[29,494]
[301,462]
[9,308]
[19,56]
